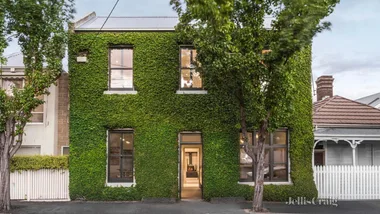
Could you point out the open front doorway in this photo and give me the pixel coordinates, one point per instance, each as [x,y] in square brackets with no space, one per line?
[191,166]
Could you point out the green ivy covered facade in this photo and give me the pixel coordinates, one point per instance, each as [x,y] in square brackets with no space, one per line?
[157,114]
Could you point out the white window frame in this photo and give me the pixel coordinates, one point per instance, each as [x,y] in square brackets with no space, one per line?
[120,90]
[43,113]
[62,147]
[23,85]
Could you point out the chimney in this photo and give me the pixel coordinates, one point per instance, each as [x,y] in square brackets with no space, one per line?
[324,87]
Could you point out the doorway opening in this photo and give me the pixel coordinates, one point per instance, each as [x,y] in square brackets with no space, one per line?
[191,171]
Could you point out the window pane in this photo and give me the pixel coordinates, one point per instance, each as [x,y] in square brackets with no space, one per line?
[185,57]
[127,172]
[194,55]
[279,172]
[121,58]
[10,83]
[37,118]
[244,158]
[249,137]
[128,144]
[279,155]
[266,165]
[114,167]
[121,78]
[197,80]
[267,139]
[190,79]
[186,81]
[246,173]
[39,108]
[191,138]
[65,151]
[114,143]
[29,150]
[279,137]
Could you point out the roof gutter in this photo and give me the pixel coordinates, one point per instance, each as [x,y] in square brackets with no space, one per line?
[124,30]
[347,125]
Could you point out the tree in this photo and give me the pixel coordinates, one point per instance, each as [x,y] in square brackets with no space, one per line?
[39,26]
[241,54]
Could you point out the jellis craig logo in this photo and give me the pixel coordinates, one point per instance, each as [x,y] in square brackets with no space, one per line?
[313,201]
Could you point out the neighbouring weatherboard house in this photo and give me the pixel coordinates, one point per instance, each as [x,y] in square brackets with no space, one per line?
[47,132]
[346,132]
[143,124]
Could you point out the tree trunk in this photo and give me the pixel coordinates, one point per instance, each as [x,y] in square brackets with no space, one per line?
[259,180]
[5,200]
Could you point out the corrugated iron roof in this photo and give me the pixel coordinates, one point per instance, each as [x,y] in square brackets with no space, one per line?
[338,110]
[92,22]
[372,100]
[129,23]
[14,60]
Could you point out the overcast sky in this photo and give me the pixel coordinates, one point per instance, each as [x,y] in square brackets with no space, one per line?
[350,51]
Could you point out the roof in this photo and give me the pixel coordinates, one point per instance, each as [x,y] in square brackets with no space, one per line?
[14,60]
[338,110]
[92,22]
[367,132]
[372,100]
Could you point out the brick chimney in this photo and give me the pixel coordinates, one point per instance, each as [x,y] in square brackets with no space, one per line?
[324,87]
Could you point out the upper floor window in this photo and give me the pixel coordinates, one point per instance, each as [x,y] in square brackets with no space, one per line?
[190,79]
[38,113]
[9,83]
[275,159]
[120,156]
[121,69]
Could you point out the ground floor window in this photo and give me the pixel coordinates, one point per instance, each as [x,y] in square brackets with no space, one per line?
[65,150]
[120,156]
[276,157]
[29,150]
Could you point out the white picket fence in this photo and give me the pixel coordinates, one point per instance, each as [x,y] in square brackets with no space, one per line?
[348,182]
[44,184]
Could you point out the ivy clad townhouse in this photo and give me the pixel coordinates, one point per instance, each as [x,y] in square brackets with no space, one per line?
[144,125]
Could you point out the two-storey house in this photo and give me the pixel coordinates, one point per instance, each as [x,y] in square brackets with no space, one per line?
[47,132]
[144,125]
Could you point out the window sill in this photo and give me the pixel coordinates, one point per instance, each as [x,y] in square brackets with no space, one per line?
[267,183]
[191,92]
[120,92]
[120,184]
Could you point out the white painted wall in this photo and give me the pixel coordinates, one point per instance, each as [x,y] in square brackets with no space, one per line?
[43,135]
[338,153]
[367,153]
